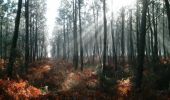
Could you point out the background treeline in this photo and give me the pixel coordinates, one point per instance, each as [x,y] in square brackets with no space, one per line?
[91,32]
[22,31]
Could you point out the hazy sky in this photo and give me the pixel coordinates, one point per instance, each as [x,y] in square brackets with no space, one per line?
[52,7]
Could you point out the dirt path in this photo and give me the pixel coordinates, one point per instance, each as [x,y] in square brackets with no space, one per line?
[61,79]
[60,75]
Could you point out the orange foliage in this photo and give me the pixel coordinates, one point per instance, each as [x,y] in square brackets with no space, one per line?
[2,63]
[66,83]
[124,87]
[18,90]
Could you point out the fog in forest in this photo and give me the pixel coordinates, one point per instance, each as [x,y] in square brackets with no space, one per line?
[84,49]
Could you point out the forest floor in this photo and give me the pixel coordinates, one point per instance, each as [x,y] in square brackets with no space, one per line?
[65,83]
[57,80]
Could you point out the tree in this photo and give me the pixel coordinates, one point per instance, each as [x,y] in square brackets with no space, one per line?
[168,12]
[2,13]
[14,41]
[64,43]
[131,49]
[141,50]
[1,37]
[37,29]
[154,21]
[75,56]
[163,26]
[27,34]
[113,44]
[123,36]
[151,34]
[81,41]
[105,34]
[137,23]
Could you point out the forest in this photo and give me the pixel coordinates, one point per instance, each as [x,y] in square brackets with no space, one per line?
[91,50]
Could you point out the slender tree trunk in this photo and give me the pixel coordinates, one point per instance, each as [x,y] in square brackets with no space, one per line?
[105,35]
[151,32]
[155,55]
[164,51]
[137,24]
[131,38]
[36,39]
[58,47]
[1,37]
[68,40]
[64,43]
[148,46]
[81,42]
[27,34]
[113,45]
[97,26]
[75,58]
[14,41]
[168,13]
[123,37]
[6,36]
[141,52]
[33,40]
[94,49]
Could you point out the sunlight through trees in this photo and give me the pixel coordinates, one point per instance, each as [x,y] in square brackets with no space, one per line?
[84,49]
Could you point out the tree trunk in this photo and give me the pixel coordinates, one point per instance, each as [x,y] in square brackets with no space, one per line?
[27,34]
[14,41]
[75,57]
[151,36]
[58,47]
[155,55]
[1,41]
[64,43]
[164,51]
[113,45]
[81,42]
[123,38]
[33,40]
[36,39]
[105,35]
[6,36]
[131,38]
[168,13]
[141,52]
[137,25]
[31,32]
[67,38]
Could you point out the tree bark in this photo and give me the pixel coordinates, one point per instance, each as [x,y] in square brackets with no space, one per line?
[141,51]
[36,39]
[105,35]
[123,37]
[113,45]
[164,51]
[155,53]
[64,43]
[137,25]
[1,37]
[81,41]
[27,34]
[14,41]
[75,56]
[6,36]
[168,12]
[131,38]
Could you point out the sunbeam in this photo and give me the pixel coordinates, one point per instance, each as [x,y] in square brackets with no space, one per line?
[84,49]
